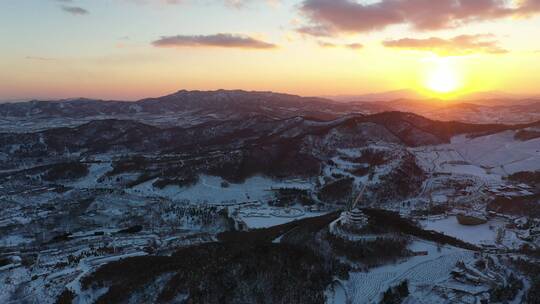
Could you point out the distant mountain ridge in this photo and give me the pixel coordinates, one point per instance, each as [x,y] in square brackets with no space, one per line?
[192,108]
[466,111]
[183,108]
[181,101]
[478,97]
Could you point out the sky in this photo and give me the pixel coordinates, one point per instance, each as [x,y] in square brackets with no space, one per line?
[131,49]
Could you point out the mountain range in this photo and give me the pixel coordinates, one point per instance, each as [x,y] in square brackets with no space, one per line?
[192,108]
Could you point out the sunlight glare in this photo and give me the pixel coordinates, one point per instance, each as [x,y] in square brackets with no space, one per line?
[443,78]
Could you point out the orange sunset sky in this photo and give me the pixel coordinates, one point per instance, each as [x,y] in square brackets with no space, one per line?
[130,49]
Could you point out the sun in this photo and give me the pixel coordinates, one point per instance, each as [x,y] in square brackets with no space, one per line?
[443,78]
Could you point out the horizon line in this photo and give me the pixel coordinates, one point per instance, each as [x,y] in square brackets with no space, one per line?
[335,97]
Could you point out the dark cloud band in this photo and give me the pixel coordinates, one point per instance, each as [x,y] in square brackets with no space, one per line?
[330,17]
[74,10]
[217,40]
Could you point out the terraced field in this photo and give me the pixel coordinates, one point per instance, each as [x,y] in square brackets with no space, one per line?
[366,287]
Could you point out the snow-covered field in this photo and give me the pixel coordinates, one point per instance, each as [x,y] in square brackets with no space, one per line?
[209,189]
[488,157]
[266,217]
[484,234]
[500,151]
[14,240]
[432,269]
[447,159]
[95,171]
[479,234]
[336,294]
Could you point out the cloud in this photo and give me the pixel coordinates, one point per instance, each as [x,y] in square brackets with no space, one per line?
[237,3]
[459,45]
[156,1]
[243,3]
[74,10]
[315,30]
[38,58]
[332,17]
[217,40]
[529,7]
[228,3]
[352,46]
[326,44]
